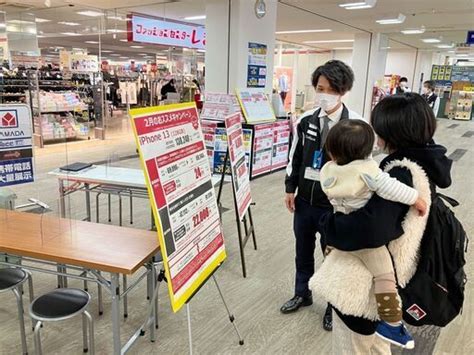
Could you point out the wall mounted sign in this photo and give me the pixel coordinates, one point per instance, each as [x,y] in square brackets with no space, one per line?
[257,65]
[16,149]
[170,33]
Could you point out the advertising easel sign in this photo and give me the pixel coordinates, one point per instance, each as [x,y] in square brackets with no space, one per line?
[255,106]
[240,174]
[176,166]
[218,106]
[16,148]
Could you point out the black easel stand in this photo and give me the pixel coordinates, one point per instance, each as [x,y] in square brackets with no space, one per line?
[248,225]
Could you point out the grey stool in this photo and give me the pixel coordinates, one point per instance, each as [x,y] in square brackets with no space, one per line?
[12,279]
[62,304]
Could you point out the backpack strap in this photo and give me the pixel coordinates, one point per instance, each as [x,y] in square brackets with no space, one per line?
[450,200]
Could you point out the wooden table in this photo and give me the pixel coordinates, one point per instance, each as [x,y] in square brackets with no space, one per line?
[85,247]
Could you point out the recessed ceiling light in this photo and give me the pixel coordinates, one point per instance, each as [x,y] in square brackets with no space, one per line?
[41,20]
[70,34]
[123,57]
[136,46]
[69,23]
[115,55]
[393,20]
[39,36]
[106,51]
[161,57]
[199,17]
[413,31]
[114,30]
[302,31]
[330,41]
[92,42]
[124,40]
[358,5]
[445,46]
[451,51]
[90,13]
[431,40]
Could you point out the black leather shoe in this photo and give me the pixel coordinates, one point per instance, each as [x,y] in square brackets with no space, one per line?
[295,303]
[327,319]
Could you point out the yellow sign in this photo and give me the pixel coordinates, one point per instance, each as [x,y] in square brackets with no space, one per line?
[178,176]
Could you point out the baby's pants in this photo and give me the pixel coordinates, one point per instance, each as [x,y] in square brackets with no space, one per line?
[379,263]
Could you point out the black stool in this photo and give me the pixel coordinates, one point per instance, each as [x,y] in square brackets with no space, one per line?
[62,304]
[12,279]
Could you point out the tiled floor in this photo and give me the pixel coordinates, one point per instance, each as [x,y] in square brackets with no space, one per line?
[255,301]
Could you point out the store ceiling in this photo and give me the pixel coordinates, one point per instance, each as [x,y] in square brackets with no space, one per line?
[448,20]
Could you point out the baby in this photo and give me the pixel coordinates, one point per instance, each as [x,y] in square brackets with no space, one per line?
[349,181]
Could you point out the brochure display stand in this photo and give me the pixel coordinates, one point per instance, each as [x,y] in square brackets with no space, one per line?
[175,163]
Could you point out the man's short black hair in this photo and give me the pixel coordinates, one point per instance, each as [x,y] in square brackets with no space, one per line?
[339,75]
[350,140]
[404,121]
[403,79]
[430,84]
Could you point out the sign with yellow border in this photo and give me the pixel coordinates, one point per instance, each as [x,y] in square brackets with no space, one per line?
[177,172]
[255,106]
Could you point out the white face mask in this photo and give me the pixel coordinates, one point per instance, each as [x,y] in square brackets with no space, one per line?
[424,90]
[327,101]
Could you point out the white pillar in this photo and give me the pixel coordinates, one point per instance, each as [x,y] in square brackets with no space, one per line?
[227,70]
[369,60]
[295,80]
[424,61]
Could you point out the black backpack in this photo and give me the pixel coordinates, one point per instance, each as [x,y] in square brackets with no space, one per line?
[435,294]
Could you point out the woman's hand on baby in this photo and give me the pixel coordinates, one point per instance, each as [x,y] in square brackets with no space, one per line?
[290,202]
[421,206]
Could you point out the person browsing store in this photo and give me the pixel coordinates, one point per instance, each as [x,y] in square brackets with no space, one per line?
[304,195]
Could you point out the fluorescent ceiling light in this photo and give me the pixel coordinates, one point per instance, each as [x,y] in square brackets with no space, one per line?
[70,34]
[40,36]
[115,55]
[342,48]
[106,51]
[118,18]
[431,40]
[413,31]
[123,57]
[41,20]
[124,40]
[302,31]
[114,30]
[445,46]
[69,23]
[92,42]
[90,13]
[357,5]
[451,51]
[136,46]
[20,22]
[330,41]
[199,17]
[392,21]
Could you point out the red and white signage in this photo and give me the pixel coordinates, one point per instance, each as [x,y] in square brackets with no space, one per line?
[218,106]
[240,174]
[169,33]
[183,200]
[281,141]
[262,149]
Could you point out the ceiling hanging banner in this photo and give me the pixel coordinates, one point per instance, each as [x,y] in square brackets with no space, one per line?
[170,33]
[176,167]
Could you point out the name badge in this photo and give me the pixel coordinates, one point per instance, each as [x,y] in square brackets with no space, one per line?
[312,174]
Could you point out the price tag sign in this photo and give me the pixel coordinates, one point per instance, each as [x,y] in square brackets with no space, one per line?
[178,175]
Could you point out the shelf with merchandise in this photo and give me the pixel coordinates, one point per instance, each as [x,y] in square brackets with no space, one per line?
[56,126]
[55,102]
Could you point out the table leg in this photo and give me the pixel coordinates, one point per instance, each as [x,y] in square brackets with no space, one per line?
[88,202]
[62,202]
[115,289]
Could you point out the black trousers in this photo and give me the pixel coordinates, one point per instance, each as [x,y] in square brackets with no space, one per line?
[305,226]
